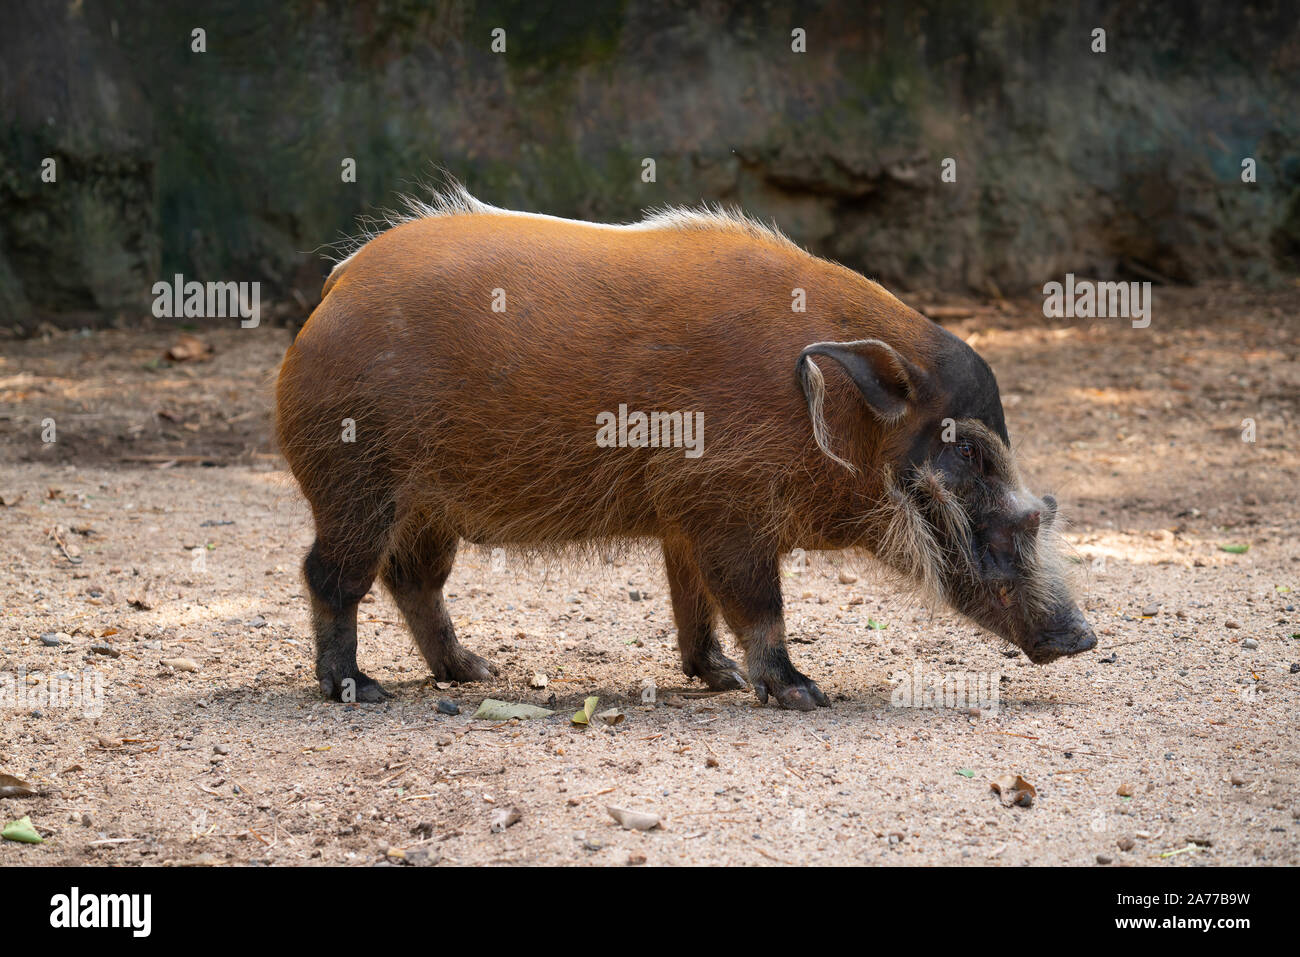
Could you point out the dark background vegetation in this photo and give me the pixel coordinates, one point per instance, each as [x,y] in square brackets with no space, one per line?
[226,165]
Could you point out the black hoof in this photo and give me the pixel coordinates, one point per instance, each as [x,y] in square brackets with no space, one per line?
[355,687]
[465,666]
[801,694]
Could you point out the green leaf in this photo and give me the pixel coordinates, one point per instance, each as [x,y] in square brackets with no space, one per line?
[875,625]
[588,708]
[493,710]
[1235,549]
[1282,589]
[966,772]
[21,830]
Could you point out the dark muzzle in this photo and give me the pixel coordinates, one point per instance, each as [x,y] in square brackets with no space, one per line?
[1066,632]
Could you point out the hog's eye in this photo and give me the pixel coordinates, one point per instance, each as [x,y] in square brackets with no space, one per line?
[971,453]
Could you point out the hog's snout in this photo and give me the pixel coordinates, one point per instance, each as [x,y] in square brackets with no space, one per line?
[1066,632]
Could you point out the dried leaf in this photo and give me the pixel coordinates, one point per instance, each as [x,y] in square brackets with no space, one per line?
[181,664]
[588,707]
[494,710]
[611,716]
[189,348]
[633,820]
[1013,789]
[12,787]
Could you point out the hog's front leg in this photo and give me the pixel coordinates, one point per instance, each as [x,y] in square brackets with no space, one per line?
[746,584]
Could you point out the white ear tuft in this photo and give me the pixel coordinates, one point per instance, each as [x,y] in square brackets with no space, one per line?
[814,389]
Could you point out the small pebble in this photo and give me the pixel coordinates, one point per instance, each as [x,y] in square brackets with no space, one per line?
[53,639]
[503,818]
[104,648]
[1232,623]
[1103,859]
[422,856]
[447,706]
[1125,843]
[633,594]
[221,749]
[1249,644]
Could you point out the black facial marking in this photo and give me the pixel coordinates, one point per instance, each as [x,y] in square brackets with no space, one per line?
[969,385]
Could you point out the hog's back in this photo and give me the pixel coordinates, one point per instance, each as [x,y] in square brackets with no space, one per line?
[487,419]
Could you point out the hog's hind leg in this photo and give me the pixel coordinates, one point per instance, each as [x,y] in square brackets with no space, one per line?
[695,613]
[415,573]
[338,577]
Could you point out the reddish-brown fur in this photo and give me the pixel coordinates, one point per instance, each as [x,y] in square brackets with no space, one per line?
[481,425]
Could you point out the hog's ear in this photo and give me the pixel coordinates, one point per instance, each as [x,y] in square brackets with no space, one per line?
[887,381]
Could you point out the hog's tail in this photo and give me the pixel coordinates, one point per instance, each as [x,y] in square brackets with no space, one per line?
[335,275]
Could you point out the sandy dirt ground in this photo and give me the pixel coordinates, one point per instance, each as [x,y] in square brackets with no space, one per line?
[151,560]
